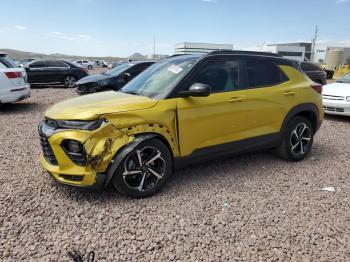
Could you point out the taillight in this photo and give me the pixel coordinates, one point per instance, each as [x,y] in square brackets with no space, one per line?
[14,74]
[85,70]
[317,87]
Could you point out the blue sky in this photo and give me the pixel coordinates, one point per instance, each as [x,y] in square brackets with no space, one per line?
[123,27]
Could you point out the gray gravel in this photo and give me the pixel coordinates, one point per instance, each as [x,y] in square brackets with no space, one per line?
[254,207]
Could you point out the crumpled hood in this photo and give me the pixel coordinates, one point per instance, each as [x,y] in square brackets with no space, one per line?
[89,107]
[336,89]
[93,78]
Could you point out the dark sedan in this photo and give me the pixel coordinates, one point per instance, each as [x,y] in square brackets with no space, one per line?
[314,72]
[52,72]
[113,79]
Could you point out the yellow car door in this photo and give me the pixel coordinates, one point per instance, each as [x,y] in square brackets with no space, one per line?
[270,95]
[218,118]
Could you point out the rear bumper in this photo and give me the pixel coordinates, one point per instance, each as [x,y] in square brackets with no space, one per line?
[18,94]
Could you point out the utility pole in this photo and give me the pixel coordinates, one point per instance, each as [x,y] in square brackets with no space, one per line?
[154,47]
[314,43]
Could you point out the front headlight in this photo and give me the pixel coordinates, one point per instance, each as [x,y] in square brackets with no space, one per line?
[75,124]
[348,98]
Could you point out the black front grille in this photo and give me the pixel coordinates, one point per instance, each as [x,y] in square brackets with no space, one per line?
[333,109]
[47,150]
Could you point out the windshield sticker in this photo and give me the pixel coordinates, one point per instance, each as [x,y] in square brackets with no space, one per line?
[175,69]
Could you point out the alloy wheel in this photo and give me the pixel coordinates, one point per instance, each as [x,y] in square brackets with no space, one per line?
[300,139]
[69,81]
[143,169]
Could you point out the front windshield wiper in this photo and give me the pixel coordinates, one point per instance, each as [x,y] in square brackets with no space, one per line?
[131,92]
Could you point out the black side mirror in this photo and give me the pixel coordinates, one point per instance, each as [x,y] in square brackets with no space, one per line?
[197,89]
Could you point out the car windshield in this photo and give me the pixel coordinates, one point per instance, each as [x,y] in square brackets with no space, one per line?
[159,79]
[344,79]
[118,69]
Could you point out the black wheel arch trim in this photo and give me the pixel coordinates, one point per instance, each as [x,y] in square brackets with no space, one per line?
[307,107]
[123,152]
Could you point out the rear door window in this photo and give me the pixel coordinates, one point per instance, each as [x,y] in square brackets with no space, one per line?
[39,64]
[56,64]
[263,74]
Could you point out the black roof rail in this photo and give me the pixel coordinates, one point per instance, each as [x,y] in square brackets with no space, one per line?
[242,52]
[178,55]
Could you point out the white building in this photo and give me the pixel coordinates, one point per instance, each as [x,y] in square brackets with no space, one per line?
[288,51]
[199,48]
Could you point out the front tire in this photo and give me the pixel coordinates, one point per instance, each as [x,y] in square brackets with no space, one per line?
[90,67]
[297,139]
[144,171]
[69,81]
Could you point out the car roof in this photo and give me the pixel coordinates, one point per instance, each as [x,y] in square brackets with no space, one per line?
[278,59]
[140,62]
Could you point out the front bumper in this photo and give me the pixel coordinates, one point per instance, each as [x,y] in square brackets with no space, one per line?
[336,107]
[67,172]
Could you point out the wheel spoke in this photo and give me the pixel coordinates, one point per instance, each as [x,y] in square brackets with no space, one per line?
[295,146]
[131,172]
[295,133]
[159,176]
[306,138]
[142,182]
[302,130]
[138,153]
[301,148]
[153,158]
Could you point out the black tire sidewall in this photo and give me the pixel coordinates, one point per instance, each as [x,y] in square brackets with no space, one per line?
[119,183]
[64,81]
[291,126]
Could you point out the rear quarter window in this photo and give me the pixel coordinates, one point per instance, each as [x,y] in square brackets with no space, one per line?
[310,67]
[7,62]
[2,66]
[263,74]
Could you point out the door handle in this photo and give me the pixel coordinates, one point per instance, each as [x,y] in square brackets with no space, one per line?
[289,93]
[236,99]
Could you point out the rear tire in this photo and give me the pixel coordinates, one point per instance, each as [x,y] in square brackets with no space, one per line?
[90,67]
[297,139]
[144,171]
[69,81]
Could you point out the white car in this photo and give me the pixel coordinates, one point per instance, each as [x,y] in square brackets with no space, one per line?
[85,64]
[336,97]
[13,81]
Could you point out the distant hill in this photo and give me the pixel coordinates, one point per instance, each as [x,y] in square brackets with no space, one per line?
[19,55]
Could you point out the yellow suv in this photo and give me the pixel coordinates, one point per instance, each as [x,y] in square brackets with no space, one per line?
[180,110]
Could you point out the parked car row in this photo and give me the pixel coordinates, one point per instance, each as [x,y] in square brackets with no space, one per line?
[90,65]
[15,80]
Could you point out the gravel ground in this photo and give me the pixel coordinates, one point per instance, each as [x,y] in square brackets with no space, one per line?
[254,207]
